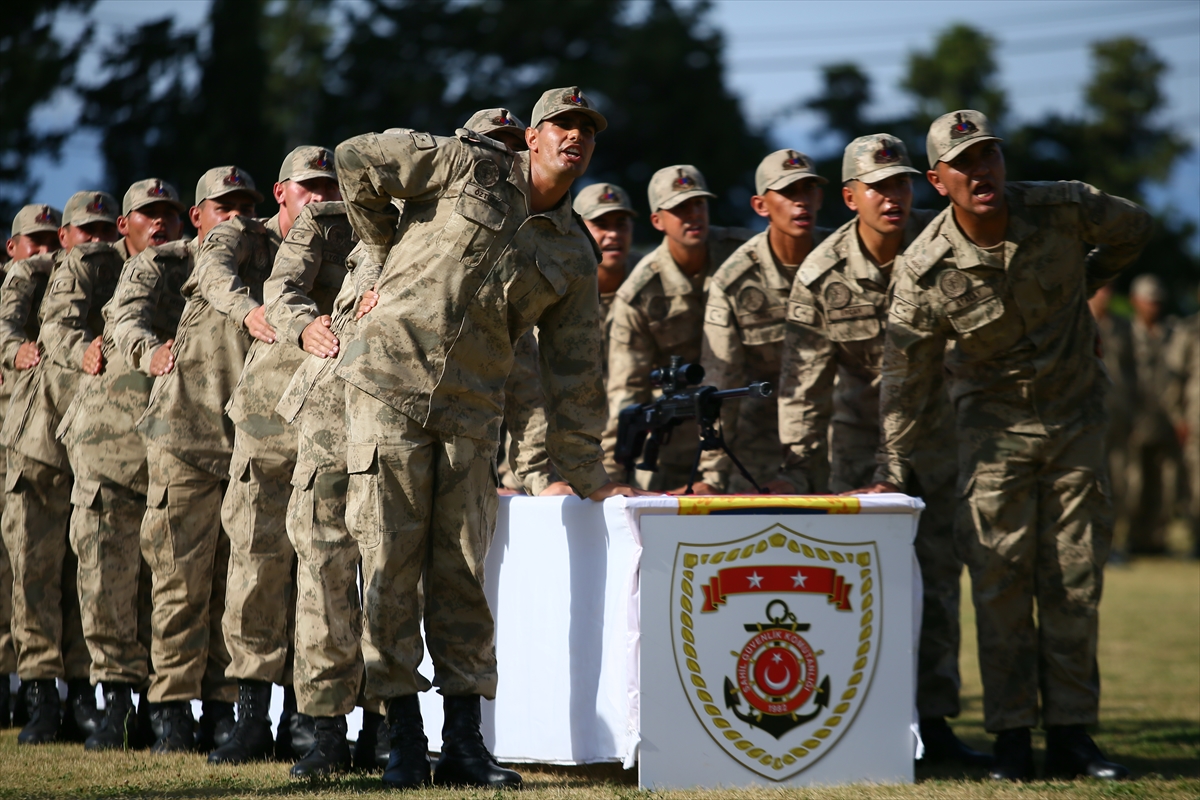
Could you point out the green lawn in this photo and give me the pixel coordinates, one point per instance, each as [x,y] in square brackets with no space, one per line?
[1150,661]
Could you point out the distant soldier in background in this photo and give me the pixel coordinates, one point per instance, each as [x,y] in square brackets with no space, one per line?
[659,311]
[1154,457]
[744,319]
[1183,404]
[608,215]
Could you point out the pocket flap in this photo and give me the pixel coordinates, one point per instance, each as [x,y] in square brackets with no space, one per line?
[482,207]
[552,272]
[84,492]
[302,475]
[360,458]
[239,467]
[156,495]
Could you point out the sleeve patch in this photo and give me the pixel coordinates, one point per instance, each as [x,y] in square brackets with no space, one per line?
[903,310]
[620,334]
[715,315]
[802,313]
[145,277]
[423,141]
[64,285]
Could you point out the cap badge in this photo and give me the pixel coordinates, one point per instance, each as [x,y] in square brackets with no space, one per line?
[886,155]
[575,97]
[44,216]
[97,205]
[683,182]
[320,161]
[609,196]
[503,119]
[156,190]
[796,161]
[964,127]
[234,178]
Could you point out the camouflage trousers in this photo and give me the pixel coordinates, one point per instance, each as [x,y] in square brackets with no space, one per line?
[418,500]
[1035,526]
[260,604]
[329,662]
[46,629]
[8,656]
[114,579]
[188,554]
[852,464]
[1151,484]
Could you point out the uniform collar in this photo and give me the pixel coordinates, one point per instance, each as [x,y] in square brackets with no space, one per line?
[1020,226]
[122,248]
[674,282]
[859,265]
[560,215]
[272,225]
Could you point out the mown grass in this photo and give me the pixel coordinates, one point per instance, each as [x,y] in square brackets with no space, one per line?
[1150,661]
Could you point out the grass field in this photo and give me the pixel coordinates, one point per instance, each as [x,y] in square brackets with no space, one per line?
[1150,662]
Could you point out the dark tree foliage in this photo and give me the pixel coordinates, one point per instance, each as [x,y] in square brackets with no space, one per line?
[33,66]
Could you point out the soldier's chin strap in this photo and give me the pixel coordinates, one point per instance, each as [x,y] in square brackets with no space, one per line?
[713,439]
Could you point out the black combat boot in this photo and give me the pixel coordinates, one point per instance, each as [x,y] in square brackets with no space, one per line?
[1013,756]
[43,709]
[216,725]
[173,727]
[144,729]
[1070,752]
[5,702]
[408,760]
[330,752]
[465,758]
[941,745]
[20,713]
[119,726]
[251,739]
[294,736]
[81,717]
[372,749]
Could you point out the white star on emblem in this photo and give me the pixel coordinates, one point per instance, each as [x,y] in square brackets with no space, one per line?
[798,580]
[755,580]
[778,659]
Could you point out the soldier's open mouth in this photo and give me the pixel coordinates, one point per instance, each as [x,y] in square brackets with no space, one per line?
[984,191]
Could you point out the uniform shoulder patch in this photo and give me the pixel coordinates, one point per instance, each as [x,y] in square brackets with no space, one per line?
[422,140]
[903,310]
[827,255]
[803,313]
[1049,193]
[638,279]
[737,265]
[926,250]
[715,315]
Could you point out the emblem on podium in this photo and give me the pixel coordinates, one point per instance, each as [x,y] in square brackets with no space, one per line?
[775,638]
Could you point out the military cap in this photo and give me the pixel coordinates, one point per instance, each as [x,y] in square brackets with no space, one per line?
[670,186]
[601,198]
[1148,287]
[872,158]
[952,133]
[783,168]
[149,192]
[85,207]
[220,181]
[35,218]
[560,101]
[307,161]
[490,120]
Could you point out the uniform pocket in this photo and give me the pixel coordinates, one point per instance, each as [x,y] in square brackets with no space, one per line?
[472,226]
[85,523]
[157,542]
[979,315]
[364,514]
[854,330]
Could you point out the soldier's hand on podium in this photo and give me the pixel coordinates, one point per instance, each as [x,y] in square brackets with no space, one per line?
[882,487]
[557,488]
[780,486]
[613,489]
[93,357]
[699,487]
[318,339]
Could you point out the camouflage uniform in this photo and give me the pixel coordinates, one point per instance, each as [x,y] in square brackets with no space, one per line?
[1034,520]
[1116,345]
[471,271]
[1183,403]
[46,625]
[259,605]
[109,461]
[189,445]
[659,313]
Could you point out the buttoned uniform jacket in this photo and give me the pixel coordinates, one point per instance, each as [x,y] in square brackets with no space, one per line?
[21,296]
[1023,342]
[830,371]
[467,271]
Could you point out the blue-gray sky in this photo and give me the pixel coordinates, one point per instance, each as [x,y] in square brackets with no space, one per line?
[775,49]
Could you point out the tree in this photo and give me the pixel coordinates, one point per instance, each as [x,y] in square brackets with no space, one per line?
[960,72]
[847,91]
[34,65]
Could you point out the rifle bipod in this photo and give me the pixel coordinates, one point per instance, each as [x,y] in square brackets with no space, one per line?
[713,439]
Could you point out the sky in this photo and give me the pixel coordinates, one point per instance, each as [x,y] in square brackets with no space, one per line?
[775,48]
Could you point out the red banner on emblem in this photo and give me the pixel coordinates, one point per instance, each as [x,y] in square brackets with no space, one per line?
[744,580]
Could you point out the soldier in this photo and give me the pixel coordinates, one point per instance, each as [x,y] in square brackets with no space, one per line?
[608,214]
[34,232]
[1154,448]
[499,124]
[1002,278]
[257,626]
[109,464]
[1183,403]
[189,443]
[837,312]
[46,626]
[744,319]
[425,373]
[659,310]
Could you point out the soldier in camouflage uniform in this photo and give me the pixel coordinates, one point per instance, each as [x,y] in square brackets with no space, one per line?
[189,443]
[46,630]
[659,311]
[109,464]
[608,214]
[257,626]
[837,312]
[425,374]
[1183,404]
[499,124]
[744,319]
[34,233]
[994,291]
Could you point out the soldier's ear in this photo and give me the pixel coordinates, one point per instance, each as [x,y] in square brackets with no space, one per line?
[11,247]
[123,225]
[759,204]
[656,221]
[936,181]
[848,197]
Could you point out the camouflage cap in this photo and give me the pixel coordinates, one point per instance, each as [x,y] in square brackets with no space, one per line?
[489,120]
[952,133]
[783,168]
[560,101]
[1148,287]
[600,199]
[670,186]
[306,162]
[35,218]
[220,181]
[872,158]
[148,192]
[85,207]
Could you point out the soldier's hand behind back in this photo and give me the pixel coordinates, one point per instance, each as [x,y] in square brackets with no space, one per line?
[93,357]
[28,355]
[613,489]
[369,300]
[163,360]
[318,339]
[257,326]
